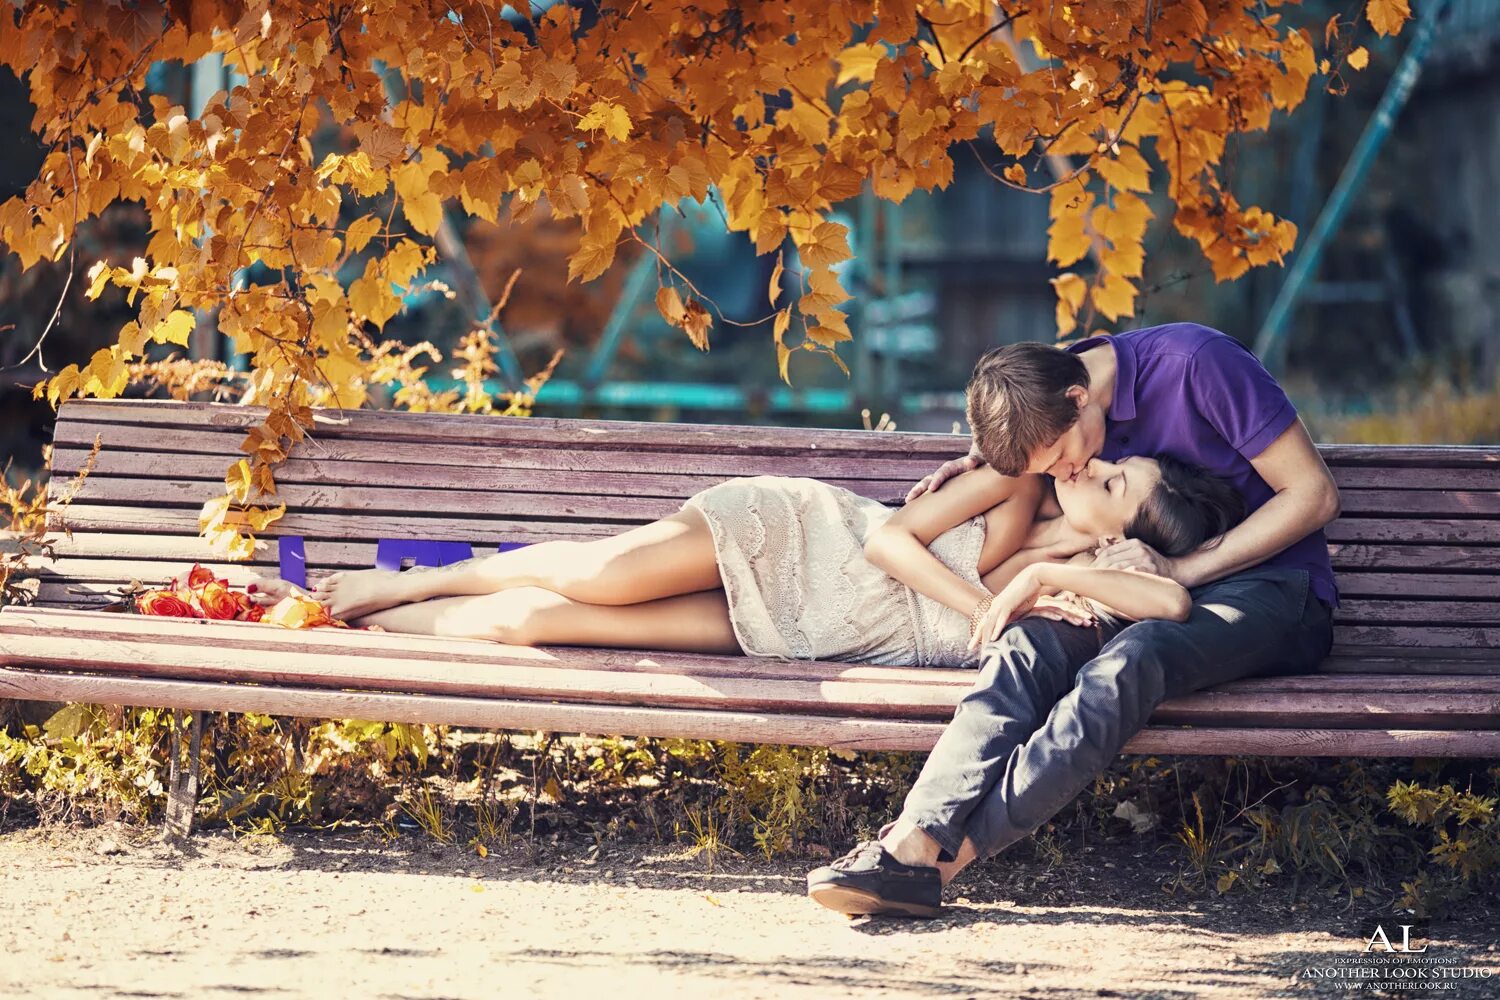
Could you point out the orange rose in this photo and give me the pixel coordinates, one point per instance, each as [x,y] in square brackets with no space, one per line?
[198,576]
[219,602]
[253,613]
[164,604]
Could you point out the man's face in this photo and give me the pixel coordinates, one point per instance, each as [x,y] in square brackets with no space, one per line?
[1068,457]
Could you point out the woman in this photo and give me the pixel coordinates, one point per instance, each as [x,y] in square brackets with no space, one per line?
[788,567]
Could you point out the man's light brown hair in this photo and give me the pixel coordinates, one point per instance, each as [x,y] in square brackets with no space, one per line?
[1018,403]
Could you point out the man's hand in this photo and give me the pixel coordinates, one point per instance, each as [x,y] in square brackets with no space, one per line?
[1132,553]
[1064,607]
[945,472]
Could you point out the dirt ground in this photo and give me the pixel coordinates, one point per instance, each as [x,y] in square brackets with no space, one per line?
[112,912]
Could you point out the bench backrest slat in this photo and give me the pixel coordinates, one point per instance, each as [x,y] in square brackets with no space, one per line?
[1417,548]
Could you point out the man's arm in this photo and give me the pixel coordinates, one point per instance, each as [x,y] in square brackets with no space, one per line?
[1306,499]
[945,472]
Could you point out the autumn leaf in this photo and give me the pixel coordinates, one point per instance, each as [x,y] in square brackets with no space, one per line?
[696,322]
[857,62]
[1114,296]
[772,116]
[828,244]
[612,118]
[1070,290]
[1387,16]
[669,304]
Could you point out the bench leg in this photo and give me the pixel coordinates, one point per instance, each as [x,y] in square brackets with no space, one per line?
[183,781]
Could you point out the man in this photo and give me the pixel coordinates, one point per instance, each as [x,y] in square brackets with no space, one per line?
[1055,702]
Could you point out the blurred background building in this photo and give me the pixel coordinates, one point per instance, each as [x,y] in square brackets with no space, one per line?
[1405,295]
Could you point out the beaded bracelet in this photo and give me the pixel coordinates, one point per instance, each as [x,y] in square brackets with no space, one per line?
[979,612]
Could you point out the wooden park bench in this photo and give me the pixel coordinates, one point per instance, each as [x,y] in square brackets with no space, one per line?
[1415,670]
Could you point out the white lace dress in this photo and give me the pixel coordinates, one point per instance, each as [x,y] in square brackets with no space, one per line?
[791,554]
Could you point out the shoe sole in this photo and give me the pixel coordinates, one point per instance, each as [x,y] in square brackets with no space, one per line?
[859,902]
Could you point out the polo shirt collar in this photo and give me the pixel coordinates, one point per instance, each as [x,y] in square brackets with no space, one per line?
[1122,404]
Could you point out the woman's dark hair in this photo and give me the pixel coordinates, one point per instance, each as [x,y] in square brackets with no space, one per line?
[1188,507]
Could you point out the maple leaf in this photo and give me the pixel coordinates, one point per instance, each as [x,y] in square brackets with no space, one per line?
[696,322]
[1387,16]
[669,304]
[613,119]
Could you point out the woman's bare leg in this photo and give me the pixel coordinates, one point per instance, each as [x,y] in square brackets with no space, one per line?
[672,556]
[531,616]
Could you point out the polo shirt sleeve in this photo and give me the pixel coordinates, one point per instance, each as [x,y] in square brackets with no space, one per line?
[1235,395]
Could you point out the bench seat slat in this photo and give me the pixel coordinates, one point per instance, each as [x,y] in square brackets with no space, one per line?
[857,696]
[838,732]
[23,626]
[1438,610]
[1452,641]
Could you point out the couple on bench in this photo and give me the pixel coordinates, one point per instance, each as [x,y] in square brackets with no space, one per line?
[1140,517]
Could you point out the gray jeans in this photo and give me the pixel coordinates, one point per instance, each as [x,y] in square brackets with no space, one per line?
[1054,703]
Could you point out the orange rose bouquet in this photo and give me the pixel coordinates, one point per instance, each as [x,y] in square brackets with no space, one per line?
[205,596]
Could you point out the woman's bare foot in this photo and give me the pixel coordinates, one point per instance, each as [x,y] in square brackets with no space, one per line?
[354,593]
[267,590]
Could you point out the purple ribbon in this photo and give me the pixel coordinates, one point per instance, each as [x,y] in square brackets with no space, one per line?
[291,554]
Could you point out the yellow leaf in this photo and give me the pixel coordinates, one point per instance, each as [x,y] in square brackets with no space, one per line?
[1067,240]
[213,513]
[1387,16]
[361,232]
[1016,174]
[132,338]
[403,263]
[826,292]
[175,329]
[1359,58]
[1129,171]
[1114,296]
[696,324]
[261,518]
[827,245]
[238,480]
[98,278]
[592,258]
[612,118]
[425,213]
[1070,290]
[669,304]
[482,851]
[783,320]
[775,289]
[858,62]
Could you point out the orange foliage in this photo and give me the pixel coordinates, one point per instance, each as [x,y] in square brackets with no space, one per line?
[604,113]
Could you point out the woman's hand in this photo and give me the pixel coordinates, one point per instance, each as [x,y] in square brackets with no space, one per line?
[1018,598]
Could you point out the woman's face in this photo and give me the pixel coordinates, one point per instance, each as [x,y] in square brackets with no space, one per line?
[1105,496]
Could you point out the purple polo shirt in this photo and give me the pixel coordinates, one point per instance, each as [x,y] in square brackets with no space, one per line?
[1202,397]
